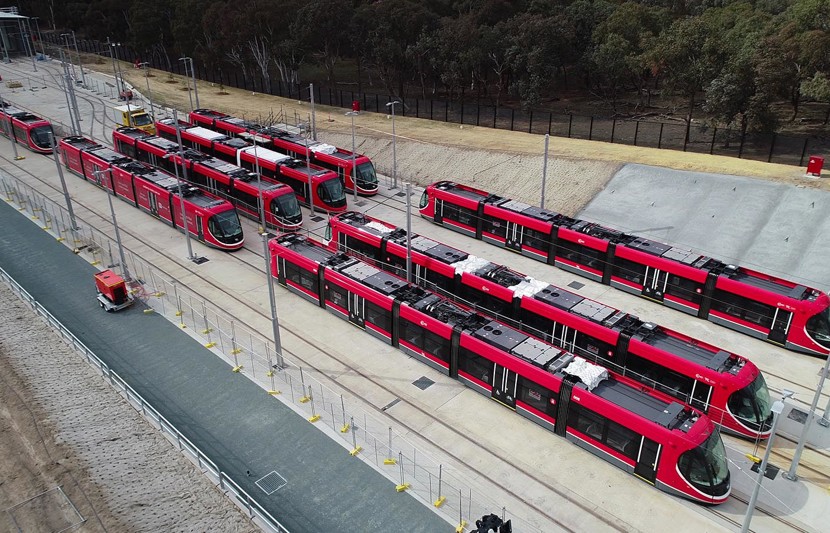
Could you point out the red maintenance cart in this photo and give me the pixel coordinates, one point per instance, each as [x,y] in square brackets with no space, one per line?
[112,291]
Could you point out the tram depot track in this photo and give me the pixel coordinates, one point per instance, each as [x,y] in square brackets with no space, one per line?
[252,258]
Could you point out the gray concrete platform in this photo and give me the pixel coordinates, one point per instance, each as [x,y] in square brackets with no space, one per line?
[762,225]
[227,416]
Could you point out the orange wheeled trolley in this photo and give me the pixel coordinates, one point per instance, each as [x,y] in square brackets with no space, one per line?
[112,291]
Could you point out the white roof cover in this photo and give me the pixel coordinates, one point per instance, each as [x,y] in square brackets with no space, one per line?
[205,133]
[265,154]
[528,287]
[471,264]
[380,228]
[323,148]
[590,374]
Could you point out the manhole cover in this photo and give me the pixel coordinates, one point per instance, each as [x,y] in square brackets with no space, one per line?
[797,415]
[271,483]
[400,194]
[576,285]
[316,218]
[360,203]
[200,260]
[423,382]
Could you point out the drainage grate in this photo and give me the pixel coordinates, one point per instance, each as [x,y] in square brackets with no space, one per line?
[576,285]
[423,383]
[798,415]
[360,203]
[271,483]
[400,194]
[200,260]
[316,218]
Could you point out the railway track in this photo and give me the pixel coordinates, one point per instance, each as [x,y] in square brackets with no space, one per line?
[252,258]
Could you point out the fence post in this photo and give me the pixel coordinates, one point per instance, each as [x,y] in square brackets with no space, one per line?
[660,138]
[771,147]
[741,147]
[417,108]
[446,111]
[686,138]
[803,152]
[478,112]
[613,128]
[530,123]
[512,117]
[570,123]
[377,104]
[550,120]
[712,144]
[591,129]
[462,112]
[495,114]
[636,131]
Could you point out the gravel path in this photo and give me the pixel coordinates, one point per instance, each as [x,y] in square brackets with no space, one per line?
[62,425]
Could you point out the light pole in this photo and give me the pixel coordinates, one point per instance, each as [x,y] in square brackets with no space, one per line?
[80,65]
[544,171]
[99,176]
[27,38]
[71,101]
[275,324]
[8,127]
[777,409]
[111,47]
[791,473]
[190,255]
[145,66]
[63,181]
[308,171]
[66,38]
[394,153]
[313,116]
[354,166]
[264,228]
[409,232]
[187,60]
[39,36]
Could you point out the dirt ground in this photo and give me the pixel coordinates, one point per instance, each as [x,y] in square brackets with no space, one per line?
[74,453]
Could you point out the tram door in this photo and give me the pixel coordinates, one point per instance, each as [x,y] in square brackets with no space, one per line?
[647,459]
[513,239]
[654,286]
[200,232]
[505,384]
[780,326]
[357,310]
[439,211]
[154,203]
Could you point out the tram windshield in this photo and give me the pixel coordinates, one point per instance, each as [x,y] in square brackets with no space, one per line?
[706,467]
[142,119]
[287,208]
[225,226]
[366,176]
[752,405]
[818,327]
[424,200]
[332,193]
[42,136]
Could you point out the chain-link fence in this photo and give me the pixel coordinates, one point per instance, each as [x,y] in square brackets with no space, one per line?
[365,436]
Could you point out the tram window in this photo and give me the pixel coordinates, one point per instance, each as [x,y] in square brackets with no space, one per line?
[19,133]
[534,395]
[535,239]
[337,295]
[292,272]
[309,281]
[378,316]
[622,439]
[395,264]
[684,288]
[625,269]
[581,254]
[494,225]
[248,200]
[590,423]
[474,365]
[127,149]
[738,306]
[642,369]
[659,377]
[700,400]
[359,247]
[459,214]
[439,282]
[411,333]
[537,325]
[437,345]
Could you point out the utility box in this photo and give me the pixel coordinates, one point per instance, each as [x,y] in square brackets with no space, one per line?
[814,166]
[112,291]
[134,116]
[356,106]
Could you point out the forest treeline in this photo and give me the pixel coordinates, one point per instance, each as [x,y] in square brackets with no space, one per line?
[737,61]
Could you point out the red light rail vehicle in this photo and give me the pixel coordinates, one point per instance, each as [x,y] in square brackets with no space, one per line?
[31,131]
[210,219]
[772,309]
[727,387]
[353,169]
[674,447]
[235,184]
[324,186]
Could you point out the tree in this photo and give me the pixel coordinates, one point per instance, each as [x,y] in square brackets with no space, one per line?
[322,27]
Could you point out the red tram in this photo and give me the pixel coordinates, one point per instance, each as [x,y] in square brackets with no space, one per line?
[727,387]
[326,190]
[353,169]
[31,131]
[210,219]
[769,308]
[235,184]
[673,447]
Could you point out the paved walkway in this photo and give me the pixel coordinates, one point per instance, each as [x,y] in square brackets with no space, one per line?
[229,418]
